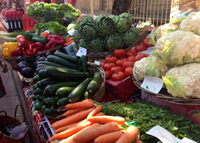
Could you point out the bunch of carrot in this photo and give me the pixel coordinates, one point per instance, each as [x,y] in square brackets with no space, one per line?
[85,123]
[69,41]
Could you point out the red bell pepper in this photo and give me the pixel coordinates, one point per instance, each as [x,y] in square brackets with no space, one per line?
[38,45]
[56,39]
[22,43]
[31,50]
[17,52]
[50,45]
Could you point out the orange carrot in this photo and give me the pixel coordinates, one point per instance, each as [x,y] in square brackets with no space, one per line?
[129,136]
[106,119]
[137,141]
[109,137]
[81,104]
[95,111]
[67,140]
[72,119]
[66,127]
[96,132]
[72,111]
[71,131]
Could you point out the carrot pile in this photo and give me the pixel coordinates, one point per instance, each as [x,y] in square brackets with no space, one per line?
[69,41]
[85,123]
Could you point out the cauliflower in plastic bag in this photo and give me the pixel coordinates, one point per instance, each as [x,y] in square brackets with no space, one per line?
[183,81]
[179,47]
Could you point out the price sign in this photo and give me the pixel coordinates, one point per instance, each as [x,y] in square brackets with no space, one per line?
[71,32]
[46,31]
[153,84]
[97,63]
[81,51]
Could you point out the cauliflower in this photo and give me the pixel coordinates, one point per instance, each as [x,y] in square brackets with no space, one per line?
[161,31]
[191,23]
[179,47]
[183,81]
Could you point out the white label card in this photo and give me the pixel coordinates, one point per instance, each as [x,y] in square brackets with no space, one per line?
[46,31]
[81,51]
[71,32]
[153,84]
[97,63]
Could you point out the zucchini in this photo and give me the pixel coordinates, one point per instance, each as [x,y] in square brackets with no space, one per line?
[98,78]
[64,91]
[78,91]
[59,109]
[38,105]
[33,97]
[51,100]
[36,78]
[46,81]
[39,91]
[42,74]
[50,89]
[67,57]
[61,74]
[34,86]
[87,95]
[47,111]
[39,68]
[62,101]
[34,91]
[53,109]
[47,63]
[44,100]
[43,108]
[84,63]
[61,61]
[40,97]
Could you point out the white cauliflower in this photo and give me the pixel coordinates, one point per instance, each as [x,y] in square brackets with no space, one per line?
[184,81]
[191,23]
[179,47]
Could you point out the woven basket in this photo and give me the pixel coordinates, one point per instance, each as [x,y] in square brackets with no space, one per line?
[164,95]
[13,63]
[36,19]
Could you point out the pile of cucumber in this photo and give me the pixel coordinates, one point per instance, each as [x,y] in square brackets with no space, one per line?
[61,79]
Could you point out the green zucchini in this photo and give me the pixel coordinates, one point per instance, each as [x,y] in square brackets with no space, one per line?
[43,108]
[33,97]
[42,74]
[51,100]
[98,78]
[84,63]
[67,57]
[62,101]
[40,97]
[39,91]
[38,105]
[47,111]
[34,86]
[53,109]
[47,63]
[64,91]
[40,39]
[34,91]
[39,68]
[36,78]
[51,89]
[87,95]
[44,100]
[78,91]
[46,81]
[61,61]
[61,74]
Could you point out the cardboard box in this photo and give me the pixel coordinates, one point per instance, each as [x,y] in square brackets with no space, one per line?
[192,111]
[121,89]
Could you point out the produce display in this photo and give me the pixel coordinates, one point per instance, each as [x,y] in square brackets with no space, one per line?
[105,33]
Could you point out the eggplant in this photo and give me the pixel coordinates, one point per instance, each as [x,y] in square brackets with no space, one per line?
[20,59]
[20,66]
[28,72]
[28,64]
[48,53]
[36,58]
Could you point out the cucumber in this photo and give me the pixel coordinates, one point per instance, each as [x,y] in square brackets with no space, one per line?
[36,78]
[67,57]
[46,81]
[42,74]
[62,101]
[43,108]
[38,105]
[61,74]
[33,97]
[51,100]
[39,91]
[50,89]
[84,63]
[47,63]
[53,109]
[64,91]
[61,61]
[47,111]
[78,91]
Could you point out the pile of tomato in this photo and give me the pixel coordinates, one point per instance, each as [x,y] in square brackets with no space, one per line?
[120,65]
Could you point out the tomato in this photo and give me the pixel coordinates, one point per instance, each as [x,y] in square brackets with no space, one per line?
[119,53]
[111,59]
[130,54]
[131,58]
[133,51]
[147,42]
[107,74]
[45,34]
[118,76]
[140,56]
[102,64]
[116,69]
[18,37]
[108,66]
[120,62]
[140,48]
[129,71]
[127,64]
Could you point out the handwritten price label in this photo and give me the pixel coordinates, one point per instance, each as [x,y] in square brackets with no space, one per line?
[97,63]
[81,51]
[71,32]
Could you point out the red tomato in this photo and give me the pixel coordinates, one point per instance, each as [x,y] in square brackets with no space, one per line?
[147,42]
[45,34]
[133,51]
[127,64]
[131,58]
[108,66]
[130,54]
[118,76]
[129,71]
[116,69]
[140,56]
[119,53]
[18,37]
[140,48]
[111,59]
[107,74]
[102,64]
[120,62]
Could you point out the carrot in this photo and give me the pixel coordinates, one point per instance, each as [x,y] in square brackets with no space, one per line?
[72,111]
[106,119]
[67,140]
[129,136]
[81,104]
[137,141]
[66,127]
[71,131]
[95,111]
[109,137]
[72,119]
[96,132]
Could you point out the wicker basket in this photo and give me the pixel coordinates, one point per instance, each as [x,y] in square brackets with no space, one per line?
[36,19]
[164,95]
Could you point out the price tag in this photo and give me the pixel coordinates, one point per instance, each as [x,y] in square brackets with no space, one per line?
[97,63]
[47,31]
[71,32]
[81,51]
[153,84]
